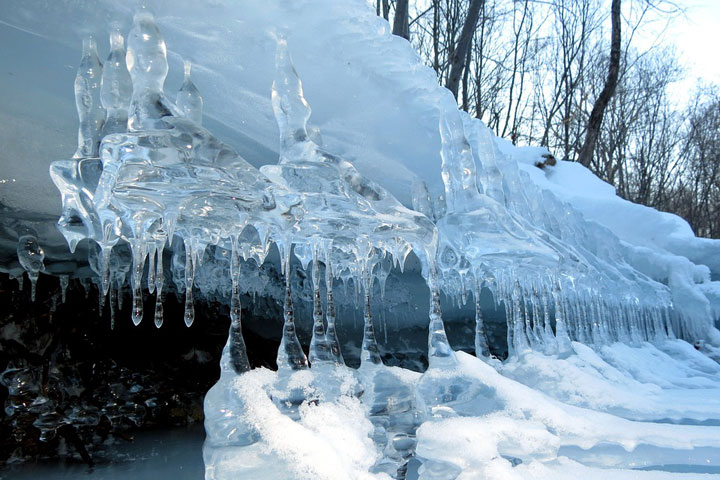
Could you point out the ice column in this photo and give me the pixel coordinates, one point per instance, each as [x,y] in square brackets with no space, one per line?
[320,351]
[290,354]
[236,342]
[330,315]
[87,101]
[481,343]
[116,87]
[440,354]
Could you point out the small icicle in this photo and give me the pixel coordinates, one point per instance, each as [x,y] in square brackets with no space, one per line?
[33,285]
[481,343]
[151,267]
[21,283]
[86,287]
[440,354]
[331,333]
[139,251]
[238,351]
[189,279]
[159,284]
[188,99]
[113,300]
[64,282]
[520,341]
[31,257]
[319,349]
[290,354]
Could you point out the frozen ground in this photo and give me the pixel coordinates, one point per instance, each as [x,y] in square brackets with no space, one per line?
[153,455]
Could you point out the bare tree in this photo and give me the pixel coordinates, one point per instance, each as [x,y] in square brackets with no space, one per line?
[596,116]
[401,21]
[460,54]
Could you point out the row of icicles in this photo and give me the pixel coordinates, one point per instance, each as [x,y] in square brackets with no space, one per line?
[539,318]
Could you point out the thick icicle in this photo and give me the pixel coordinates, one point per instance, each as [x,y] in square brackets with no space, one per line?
[331,333]
[370,355]
[320,351]
[440,354]
[290,354]
[87,101]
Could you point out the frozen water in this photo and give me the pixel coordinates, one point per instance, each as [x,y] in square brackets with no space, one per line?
[587,315]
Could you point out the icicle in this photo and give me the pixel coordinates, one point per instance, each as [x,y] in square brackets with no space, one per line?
[64,282]
[481,343]
[151,267]
[440,354]
[105,252]
[520,341]
[112,300]
[561,335]
[331,333]
[188,99]
[290,354]
[31,257]
[21,283]
[87,101]
[319,348]
[370,354]
[159,284]
[139,252]
[550,340]
[116,87]
[189,279]
[537,330]
[238,351]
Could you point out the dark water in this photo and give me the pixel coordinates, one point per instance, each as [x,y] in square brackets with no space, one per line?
[156,455]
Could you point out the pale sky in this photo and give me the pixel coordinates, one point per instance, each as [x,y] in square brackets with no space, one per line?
[696,34]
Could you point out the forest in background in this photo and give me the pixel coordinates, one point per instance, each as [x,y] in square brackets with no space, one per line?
[533,71]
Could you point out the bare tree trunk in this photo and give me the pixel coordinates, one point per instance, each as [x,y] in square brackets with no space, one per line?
[401,24]
[457,61]
[385,9]
[596,116]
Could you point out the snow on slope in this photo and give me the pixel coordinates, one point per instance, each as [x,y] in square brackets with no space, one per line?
[660,244]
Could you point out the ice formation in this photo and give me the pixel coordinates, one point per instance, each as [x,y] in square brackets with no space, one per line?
[153,189]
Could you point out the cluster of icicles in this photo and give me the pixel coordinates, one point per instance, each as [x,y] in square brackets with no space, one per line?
[146,174]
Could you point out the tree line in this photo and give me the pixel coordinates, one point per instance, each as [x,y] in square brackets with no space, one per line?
[568,75]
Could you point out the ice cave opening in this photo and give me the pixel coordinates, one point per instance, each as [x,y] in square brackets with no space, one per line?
[577,344]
